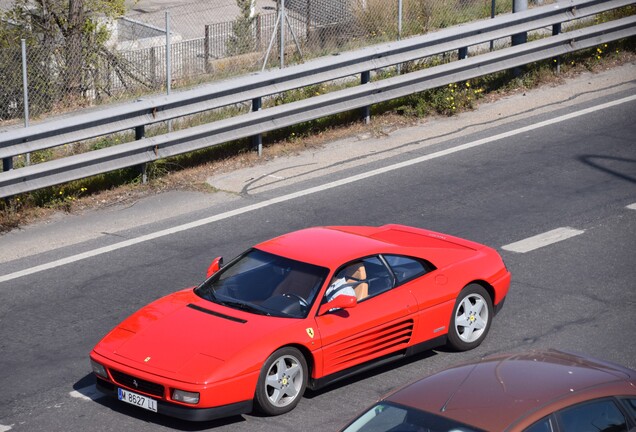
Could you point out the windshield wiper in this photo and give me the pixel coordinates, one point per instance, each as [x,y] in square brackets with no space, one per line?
[248,307]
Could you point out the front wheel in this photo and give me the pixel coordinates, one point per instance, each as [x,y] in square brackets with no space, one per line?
[471,318]
[282,381]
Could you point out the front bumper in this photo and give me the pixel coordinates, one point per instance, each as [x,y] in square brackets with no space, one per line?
[184,412]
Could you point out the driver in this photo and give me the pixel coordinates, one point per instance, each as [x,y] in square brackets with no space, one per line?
[348,282]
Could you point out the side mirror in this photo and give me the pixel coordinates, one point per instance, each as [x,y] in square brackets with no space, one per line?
[339,302]
[216,265]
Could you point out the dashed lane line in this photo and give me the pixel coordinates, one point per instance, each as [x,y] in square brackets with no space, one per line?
[632,206]
[310,191]
[541,240]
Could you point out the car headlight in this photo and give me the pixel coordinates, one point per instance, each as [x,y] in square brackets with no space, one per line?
[98,369]
[184,396]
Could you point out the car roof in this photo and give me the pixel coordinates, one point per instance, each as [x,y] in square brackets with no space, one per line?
[332,246]
[496,392]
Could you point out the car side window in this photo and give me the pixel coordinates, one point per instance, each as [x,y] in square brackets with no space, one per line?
[379,277]
[365,278]
[543,425]
[630,403]
[595,416]
[406,268]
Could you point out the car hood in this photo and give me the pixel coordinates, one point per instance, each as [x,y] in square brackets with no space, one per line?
[182,334]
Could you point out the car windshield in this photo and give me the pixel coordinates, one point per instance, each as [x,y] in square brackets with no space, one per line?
[267,284]
[386,416]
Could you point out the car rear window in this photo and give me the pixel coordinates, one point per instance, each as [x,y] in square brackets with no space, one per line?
[598,415]
[406,268]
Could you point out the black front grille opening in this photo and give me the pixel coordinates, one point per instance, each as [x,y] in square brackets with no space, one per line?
[137,384]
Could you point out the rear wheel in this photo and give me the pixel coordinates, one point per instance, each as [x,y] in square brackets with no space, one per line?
[282,381]
[471,318]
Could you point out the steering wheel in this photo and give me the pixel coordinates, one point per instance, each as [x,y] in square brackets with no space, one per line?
[302,301]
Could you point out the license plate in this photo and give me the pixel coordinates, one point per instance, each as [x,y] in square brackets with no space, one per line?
[137,399]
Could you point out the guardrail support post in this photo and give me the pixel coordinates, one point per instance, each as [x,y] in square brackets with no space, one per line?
[257,140]
[556,29]
[519,38]
[462,53]
[365,77]
[140,133]
[7,164]
[519,6]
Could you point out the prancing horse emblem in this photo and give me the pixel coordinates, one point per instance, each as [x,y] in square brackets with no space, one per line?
[310,332]
[135,384]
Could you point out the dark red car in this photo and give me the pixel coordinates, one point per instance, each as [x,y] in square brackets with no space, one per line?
[539,391]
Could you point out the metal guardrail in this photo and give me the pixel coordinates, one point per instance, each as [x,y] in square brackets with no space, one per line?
[152,110]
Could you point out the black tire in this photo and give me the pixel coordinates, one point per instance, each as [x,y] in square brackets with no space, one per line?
[471,319]
[282,381]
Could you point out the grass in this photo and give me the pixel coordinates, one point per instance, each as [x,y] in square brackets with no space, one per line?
[184,172]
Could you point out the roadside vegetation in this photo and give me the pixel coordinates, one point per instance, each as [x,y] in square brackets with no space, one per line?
[191,171]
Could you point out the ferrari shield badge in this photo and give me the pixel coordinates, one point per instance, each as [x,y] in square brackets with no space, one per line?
[310,332]
[147,359]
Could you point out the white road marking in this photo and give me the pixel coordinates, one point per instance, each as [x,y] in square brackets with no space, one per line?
[541,240]
[4,428]
[310,191]
[86,393]
[632,206]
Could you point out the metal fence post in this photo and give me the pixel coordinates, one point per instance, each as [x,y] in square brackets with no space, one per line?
[399,35]
[206,49]
[462,53]
[492,15]
[257,140]
[282,33]
[168,60]
[259,32]
[365,77]
[168,63]
[25,87]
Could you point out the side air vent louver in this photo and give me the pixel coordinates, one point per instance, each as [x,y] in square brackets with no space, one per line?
[372,344]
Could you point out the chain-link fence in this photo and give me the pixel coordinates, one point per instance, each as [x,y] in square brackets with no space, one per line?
[118,59]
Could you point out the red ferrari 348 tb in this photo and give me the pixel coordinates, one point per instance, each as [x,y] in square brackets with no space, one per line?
[301,310]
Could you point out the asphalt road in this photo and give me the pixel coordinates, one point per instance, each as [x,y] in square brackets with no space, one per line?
[578,294]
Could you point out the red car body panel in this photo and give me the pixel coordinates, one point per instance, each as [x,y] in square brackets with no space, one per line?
[186,342]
